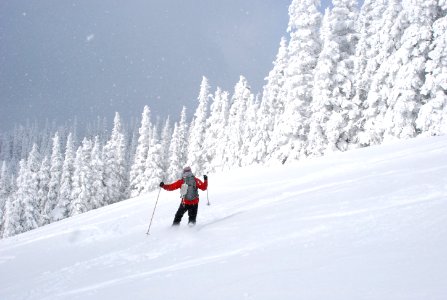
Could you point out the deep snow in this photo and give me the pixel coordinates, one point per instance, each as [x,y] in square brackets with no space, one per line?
[366,224]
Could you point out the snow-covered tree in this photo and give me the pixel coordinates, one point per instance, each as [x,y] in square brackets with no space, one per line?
[13,208]
[367,59]
[317,140]
[76,206]
[404,98]
[153,172]
[45,204]
[28,192]
[62,210]
[165,142]
[99,189]
[248,156]
[376,105]
[42,138]
[274,91]
[114,154]
[5,193]
[87,192]
[333,111]
[197,130]
[138,166]
[236,123]
[55,178]
[303,51]
[271,107]
[262,141]
[178,148]
[432,118]
[22,213]
[132,149]
[82,180]
[216,124]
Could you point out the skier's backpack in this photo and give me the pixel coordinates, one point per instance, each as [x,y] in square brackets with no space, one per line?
[189,189]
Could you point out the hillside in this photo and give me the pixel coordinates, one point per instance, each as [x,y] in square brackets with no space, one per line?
[365,224]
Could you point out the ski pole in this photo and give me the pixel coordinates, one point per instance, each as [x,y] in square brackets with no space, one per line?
[207,198]
[150,224]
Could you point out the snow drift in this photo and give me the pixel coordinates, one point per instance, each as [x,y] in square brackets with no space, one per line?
[366,224]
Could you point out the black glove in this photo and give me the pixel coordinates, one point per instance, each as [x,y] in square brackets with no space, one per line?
[205,177]
[162,184]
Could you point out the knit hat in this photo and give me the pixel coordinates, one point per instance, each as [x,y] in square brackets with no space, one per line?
[187,171]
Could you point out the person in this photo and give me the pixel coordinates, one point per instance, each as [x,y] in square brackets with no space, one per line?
[189,186]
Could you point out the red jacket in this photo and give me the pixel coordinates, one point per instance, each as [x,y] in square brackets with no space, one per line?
[178,184]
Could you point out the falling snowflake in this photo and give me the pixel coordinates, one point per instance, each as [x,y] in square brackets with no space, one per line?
[90,37]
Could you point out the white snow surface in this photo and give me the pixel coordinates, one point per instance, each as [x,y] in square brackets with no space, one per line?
[365,224]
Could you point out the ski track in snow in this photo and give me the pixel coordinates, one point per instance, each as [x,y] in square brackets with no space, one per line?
[366,224]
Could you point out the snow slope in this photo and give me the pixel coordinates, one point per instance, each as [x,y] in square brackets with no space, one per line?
[367,224]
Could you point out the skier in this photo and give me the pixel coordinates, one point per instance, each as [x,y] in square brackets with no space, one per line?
[189,185]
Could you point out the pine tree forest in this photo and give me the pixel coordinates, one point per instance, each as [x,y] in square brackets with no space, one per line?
[347,78]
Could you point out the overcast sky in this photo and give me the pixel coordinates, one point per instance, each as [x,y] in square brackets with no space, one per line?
[62,58]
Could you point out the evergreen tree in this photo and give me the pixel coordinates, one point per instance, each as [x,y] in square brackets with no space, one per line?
[13,209]
[376,105]
[131,153]
[45,205]
[369,56]
[333,111]
[432,118]
[5,192]
[274,91]
[43,137]
[367,59]
[55,178]
[76,206]
[174,166]
[262,139]
[317,140]
[303,50]
[87,192]
[99,189]
[62,210]
[3,145]
[115,178]
[153,173]
[178,148]
[216,124]
[272,107]
[197,130]
[22,212]
[236,124]
[82,180]
[165,142]
[408,73]
[183,139]
[248,156]
[138,167]
[28,192]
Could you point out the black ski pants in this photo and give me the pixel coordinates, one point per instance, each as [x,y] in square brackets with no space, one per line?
[192,213]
